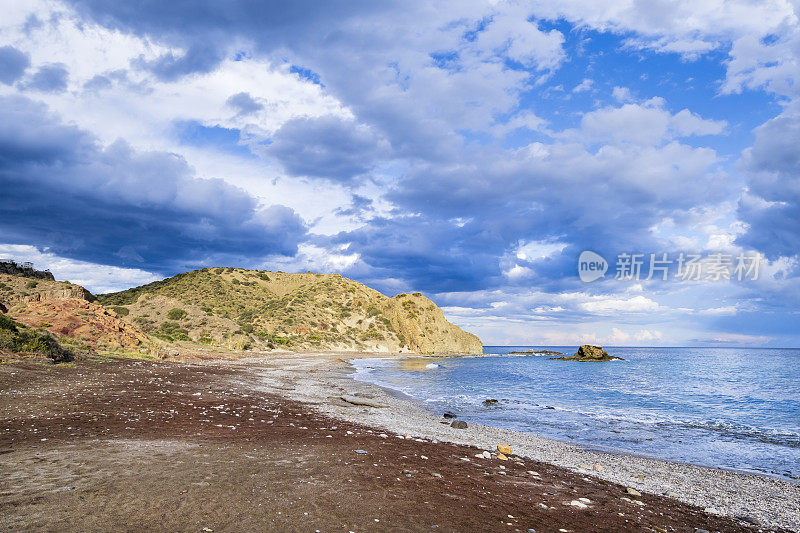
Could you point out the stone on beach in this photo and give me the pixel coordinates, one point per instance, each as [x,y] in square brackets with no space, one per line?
[632,491]
[458,424]
[504,448]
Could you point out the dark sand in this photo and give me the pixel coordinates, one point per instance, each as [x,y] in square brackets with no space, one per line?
[138,445]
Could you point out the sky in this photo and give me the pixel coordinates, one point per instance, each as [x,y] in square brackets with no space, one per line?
[468,150]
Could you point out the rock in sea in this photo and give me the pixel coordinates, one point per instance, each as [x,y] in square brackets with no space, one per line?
[589,352]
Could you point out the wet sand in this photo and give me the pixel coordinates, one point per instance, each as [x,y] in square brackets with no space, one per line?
[268,444]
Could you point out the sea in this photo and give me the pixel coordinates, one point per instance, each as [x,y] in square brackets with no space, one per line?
[733,408]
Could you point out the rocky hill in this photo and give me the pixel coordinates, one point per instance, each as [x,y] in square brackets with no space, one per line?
[67,311]
[251,309]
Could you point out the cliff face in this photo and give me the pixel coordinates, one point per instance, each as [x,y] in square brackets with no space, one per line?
[17,289]
[241,308]
[425,329]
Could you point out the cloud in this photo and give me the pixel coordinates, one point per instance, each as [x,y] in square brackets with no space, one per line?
[118,206]
[648,123]
[771,204]
[244,103]
[585,85]
[13,63]
[98,279]
[637,304]
[50,78]
[326,147]
[199,58]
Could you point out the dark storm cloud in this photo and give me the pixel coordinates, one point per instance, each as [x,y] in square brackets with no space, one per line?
[12,64]
[118,206]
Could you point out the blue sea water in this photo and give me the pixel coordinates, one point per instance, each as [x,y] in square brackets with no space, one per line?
[721,407]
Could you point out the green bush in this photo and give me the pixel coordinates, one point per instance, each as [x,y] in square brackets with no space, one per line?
[283,341]
[7,323]
[176,314]
[264,277]
[121,311]
[31,284]
[373,311]
[15,337]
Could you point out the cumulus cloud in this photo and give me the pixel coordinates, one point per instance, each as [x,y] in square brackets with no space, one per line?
[326,147]
[13,63]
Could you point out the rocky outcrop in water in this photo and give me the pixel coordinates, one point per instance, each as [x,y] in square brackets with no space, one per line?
[589,353]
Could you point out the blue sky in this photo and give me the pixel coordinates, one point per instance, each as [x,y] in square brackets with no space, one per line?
[470,150]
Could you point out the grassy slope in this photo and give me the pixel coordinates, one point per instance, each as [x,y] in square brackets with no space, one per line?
[299,310]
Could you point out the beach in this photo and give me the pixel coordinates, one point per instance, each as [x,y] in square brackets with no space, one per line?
[290,442]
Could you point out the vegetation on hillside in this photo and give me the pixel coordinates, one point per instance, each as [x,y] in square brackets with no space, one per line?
[16,338]
[258,308]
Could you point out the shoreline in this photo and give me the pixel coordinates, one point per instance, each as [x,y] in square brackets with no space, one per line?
[240,442]
[610,450]
[775,502]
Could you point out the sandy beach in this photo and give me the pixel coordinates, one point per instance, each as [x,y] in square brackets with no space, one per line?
[291,442]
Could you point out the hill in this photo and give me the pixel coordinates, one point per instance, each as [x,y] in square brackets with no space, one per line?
[67,311]
[245,309]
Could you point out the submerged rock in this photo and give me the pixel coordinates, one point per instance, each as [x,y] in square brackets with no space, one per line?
[589,352]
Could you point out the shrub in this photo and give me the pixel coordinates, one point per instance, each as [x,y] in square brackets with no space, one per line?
[121,311]
[15,337]
[373,311]
[31,284]
[176,314]
[45,324]
[274,338]
[264,277]
[208,310]
[7,323]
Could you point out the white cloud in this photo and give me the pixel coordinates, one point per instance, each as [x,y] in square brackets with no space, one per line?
[96,278]
[604,305]
[583,86]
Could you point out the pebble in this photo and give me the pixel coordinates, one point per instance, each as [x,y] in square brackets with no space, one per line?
[585,500]
[436,475]
[504,448]
[543,506]
[502,457]
[458,424]
[713,510]
[633,492]
[361,451]
[578,504]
